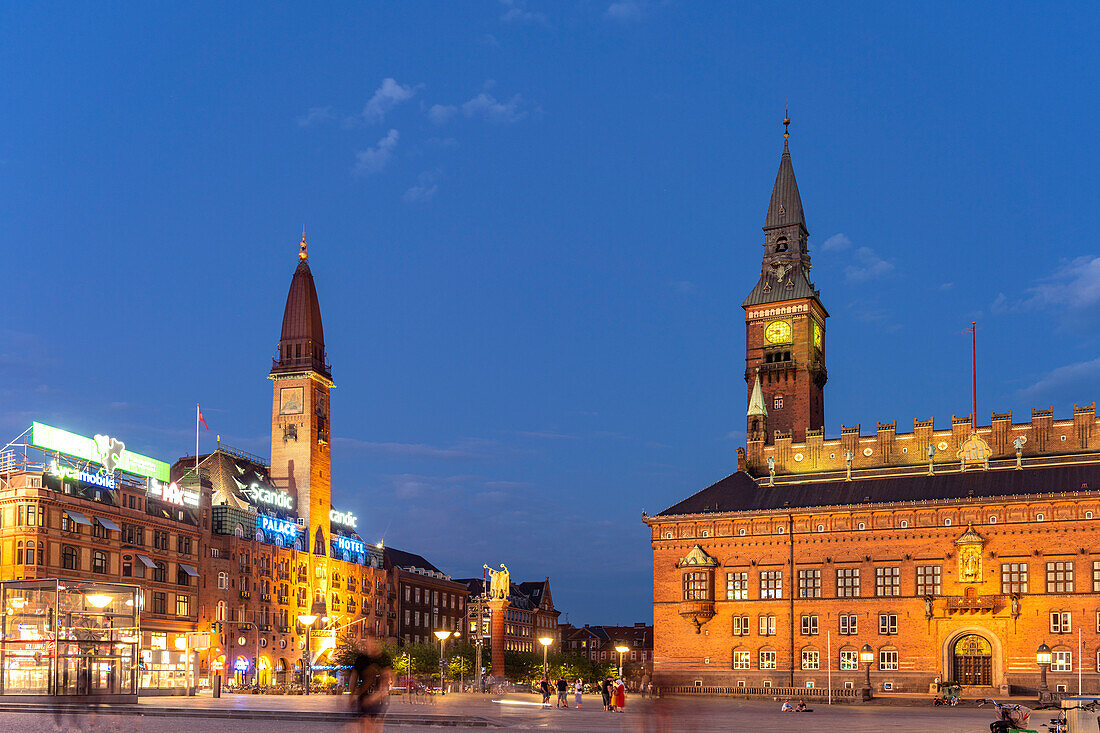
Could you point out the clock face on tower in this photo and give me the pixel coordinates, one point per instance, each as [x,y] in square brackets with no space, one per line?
[778,332]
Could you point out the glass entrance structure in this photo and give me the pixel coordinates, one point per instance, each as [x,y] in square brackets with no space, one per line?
[66,638]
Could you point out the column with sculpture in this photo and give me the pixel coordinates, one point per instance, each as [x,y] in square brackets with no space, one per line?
[499,590]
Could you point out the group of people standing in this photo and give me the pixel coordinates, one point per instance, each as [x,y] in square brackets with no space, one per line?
[612,691]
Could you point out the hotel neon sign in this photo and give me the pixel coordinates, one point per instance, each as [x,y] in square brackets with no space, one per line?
[349,545]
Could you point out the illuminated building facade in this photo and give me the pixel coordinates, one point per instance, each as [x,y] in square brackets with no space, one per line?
[426,599]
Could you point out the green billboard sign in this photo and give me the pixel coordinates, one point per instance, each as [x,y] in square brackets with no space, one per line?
[108,452]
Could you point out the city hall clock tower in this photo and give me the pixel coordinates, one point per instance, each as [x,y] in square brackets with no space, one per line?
[301,381]
[784,324]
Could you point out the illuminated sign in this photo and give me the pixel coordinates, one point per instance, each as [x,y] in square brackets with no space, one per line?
[75,474]
[346,519]
[241,665]
[279,526]
[350,545]
[172,493]
[108,452]
[281,499]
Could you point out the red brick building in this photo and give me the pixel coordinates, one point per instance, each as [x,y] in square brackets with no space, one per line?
[949,553]
[601,643]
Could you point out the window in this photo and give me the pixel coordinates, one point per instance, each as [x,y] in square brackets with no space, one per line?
[741,625]
[1060,622]
[809,583]
[888,659]
[888,581]
[771,584]
[19,552]
[1059,577]
[159,602]
[183,544]
[133,534]
[849,659]
[1096,576]
[904,522]
[1039,517]
[811,659]
[160,573]
[223,581]
[740,660]
[888,623]
[778,402]
[70,559]
[847,583]
[1061,661]
[219,611]
[766,626]
[741,532]
[861,525]
[993,519]
[848,624]
[928,580]
[947,522]
[809,626]
[127,569]
[1013,577]
[737,586]
[182,578]
[767,660]
[183,605]
[99,562]
[695,586]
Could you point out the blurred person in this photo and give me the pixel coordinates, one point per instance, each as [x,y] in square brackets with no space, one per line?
[369,685]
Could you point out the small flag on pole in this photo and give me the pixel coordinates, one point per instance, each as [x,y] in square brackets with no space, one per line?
[202,419]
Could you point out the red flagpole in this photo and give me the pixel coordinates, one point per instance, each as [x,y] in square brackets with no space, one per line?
[974,374]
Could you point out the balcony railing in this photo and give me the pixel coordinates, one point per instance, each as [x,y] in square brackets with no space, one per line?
[245,595]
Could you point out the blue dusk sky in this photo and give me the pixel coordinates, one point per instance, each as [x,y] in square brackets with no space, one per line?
[531,225]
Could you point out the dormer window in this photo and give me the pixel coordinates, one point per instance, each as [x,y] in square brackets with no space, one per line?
[781,244]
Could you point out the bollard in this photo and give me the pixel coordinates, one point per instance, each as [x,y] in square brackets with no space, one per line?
[217,685]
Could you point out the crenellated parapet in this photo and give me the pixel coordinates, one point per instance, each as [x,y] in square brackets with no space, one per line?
[1043,435]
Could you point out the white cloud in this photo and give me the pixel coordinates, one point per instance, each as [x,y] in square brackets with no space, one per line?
[373,160]
[866,265]
[1076,284]
[625,10]
[684,286]
[316,115]
[485,106]
[427,184]
[1080,375]
[385,98]
[441,113]
[836,242]
[516,12]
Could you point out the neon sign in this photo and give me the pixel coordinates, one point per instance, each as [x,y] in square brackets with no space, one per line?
[241,665]
[108,452]
[280,499]
[346,519]
[75,474]
[350,545]
[172,493]
[279,526]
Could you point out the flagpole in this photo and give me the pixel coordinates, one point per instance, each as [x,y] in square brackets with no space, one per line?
[974,374]
[196,440]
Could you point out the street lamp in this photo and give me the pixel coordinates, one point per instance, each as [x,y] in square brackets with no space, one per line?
[1042,658]
[442,636]
[307,620]
[621,650]
[546,641]
[867,655]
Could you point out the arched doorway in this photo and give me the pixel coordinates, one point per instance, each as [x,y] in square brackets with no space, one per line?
[973,661]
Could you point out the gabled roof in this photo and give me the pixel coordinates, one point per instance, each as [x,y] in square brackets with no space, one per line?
[401,559]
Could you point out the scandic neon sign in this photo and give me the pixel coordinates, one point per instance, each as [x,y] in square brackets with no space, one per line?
[108,452]
[266,496]
[346,519]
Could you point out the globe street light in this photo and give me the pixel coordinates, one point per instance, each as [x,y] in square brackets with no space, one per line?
[1042,658]
[307,620]
[546,641]
[621,650]
[867,655]
[442,636]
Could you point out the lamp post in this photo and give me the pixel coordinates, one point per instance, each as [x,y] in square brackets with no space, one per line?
[1042,658]
[442,636]
[546,641]
[621,650]
[307,620]
[867,655]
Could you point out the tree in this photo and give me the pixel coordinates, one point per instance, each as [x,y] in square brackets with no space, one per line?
[347,649]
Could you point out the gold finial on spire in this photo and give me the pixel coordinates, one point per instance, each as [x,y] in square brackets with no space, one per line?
[302,254]
[786,123]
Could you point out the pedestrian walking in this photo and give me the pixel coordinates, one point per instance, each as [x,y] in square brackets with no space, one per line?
[605,693]
[369,684]
[563,692]
[578,688]
[544,686]
[620,695]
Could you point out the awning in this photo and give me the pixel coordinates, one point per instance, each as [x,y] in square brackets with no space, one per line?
[146,561]
[78,517]
[108,524]
[190,570]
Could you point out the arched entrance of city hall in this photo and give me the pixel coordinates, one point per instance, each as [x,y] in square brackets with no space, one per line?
[972,661]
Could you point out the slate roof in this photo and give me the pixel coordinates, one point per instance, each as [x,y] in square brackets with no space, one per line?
[302,324]
[402,559]
[785,206]
[739,492]
[800,288]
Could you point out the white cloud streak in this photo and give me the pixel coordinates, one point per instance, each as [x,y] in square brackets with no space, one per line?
[373,160]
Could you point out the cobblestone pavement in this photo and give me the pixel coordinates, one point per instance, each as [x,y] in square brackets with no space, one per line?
[642,716]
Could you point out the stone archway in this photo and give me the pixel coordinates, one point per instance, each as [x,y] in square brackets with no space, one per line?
[975,654]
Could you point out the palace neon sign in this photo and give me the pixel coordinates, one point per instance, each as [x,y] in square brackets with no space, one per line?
[75,474]
[280,499]
[347,519]
[279,526]
[108,452]
[350,545]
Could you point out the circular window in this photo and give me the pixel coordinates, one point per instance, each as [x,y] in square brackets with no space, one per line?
[904,450]
[798,457]
[942,445]
[782,530]
[240,641]
[263,643]
[867,451]
[832,455]
[1063,439]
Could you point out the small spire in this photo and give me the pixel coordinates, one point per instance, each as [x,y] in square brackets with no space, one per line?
[302,253]
[756,400]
